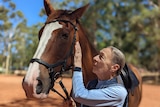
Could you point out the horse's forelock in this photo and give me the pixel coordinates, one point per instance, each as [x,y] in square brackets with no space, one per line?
[59,14]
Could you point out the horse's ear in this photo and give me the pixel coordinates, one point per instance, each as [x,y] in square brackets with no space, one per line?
[48,7]
[79,12]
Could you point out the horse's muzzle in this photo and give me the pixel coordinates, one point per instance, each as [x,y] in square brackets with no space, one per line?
[35,90]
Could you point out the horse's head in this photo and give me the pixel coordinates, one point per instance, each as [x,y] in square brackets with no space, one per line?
[55,50]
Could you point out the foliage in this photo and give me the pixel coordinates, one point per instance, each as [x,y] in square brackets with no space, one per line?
[131,25]
[16,37]
[9,18]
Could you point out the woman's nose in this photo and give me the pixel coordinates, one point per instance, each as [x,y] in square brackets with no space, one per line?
[95,59]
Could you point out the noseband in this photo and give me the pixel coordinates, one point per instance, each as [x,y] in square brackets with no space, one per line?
[55,75]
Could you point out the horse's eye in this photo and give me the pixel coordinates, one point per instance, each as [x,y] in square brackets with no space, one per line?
[64,36]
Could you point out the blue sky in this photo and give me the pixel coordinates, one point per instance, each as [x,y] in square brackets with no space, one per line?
[30,9]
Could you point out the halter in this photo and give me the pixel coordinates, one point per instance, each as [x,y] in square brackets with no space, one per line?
[55,75]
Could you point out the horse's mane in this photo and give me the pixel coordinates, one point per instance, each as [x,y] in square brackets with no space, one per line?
[86,34]
[88,52]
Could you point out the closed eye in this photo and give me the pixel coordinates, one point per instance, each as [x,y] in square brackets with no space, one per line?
[101,56]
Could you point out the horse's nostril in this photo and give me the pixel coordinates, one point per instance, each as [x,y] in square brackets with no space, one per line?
[39,87]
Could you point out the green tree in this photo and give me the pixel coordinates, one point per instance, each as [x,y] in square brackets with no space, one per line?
[146,28]
[18,41]
[130,25]
[10,20]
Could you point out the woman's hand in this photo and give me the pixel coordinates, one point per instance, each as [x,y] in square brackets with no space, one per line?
[78,56]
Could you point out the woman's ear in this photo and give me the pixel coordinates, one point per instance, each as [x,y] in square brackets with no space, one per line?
[115,67]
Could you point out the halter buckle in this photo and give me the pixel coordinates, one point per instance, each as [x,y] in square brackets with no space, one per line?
[50,70]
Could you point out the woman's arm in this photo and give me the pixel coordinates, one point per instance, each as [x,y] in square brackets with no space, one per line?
[110,96]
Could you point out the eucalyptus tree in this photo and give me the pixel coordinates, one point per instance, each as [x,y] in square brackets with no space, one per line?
[146,27]
[131,25]
[9,19]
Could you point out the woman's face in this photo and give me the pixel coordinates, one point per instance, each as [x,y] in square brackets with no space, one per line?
[103,62]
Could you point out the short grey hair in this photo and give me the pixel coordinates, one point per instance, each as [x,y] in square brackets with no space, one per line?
[118,58]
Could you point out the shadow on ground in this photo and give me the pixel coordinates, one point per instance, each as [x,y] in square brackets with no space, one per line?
[49,102]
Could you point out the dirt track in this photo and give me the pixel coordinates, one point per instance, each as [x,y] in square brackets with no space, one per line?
[12,95]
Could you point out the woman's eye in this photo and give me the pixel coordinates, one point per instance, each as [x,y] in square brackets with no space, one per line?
[100,56]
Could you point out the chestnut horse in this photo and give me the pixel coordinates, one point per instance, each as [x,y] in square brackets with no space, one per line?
[55,51]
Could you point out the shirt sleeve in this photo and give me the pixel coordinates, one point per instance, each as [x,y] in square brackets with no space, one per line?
[110,96]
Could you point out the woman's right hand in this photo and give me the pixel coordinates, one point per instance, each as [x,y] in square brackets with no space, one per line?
[78,56]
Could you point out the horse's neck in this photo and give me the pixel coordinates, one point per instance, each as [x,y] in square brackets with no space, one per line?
[88,52]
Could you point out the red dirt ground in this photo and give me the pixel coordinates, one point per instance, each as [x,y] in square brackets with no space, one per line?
[12,94]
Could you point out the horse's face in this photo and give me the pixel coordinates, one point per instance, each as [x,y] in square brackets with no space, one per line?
[54,45]
[54,52]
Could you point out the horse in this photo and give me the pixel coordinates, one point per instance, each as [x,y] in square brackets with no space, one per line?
[55,53]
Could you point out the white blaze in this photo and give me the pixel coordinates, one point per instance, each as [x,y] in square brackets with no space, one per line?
[33,70]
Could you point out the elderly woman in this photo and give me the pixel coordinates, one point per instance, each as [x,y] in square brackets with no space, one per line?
[105,90]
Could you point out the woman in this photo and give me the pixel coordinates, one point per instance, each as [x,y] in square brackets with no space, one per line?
[106,90]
